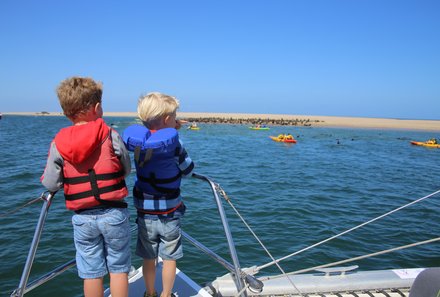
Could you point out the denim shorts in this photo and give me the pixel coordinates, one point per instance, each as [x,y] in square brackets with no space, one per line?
[159,237]
[102,241]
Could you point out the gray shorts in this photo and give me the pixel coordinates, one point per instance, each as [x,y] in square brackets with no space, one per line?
[159,237]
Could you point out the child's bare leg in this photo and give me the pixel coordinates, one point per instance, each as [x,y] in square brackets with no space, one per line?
[168,276]
[149,271]
[93,287]
[119,284]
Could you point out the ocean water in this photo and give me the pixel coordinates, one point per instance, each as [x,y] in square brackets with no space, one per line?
[291,195]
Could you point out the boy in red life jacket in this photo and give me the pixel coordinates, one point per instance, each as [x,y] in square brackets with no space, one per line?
[157,189]
[89,160]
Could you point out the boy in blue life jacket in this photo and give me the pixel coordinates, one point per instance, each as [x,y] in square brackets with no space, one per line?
[90,161]
[160,161]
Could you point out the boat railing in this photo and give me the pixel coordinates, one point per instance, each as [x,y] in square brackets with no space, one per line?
[240,277]
[22,287]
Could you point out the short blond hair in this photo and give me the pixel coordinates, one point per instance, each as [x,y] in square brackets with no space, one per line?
[154,106]
[78,94]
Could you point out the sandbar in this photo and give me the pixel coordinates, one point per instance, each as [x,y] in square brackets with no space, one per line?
[311,120]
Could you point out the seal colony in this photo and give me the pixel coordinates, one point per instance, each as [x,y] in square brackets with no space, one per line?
[252,121]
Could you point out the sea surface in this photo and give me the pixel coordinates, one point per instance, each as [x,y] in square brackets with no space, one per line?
[291,195]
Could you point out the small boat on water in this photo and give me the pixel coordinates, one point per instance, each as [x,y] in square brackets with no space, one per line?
[429,143]
[193,126]
[287,138]
[328,280]
[259,127]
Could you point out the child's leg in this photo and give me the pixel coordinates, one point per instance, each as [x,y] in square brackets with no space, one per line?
[119,284]
[116,232]
[170,251]
[93,287]
[168,276]
[149,271]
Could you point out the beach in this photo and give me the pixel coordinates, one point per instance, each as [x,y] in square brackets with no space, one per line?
[283,119]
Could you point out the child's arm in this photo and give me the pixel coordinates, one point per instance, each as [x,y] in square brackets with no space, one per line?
[186,165]
[122,152]
[52,177]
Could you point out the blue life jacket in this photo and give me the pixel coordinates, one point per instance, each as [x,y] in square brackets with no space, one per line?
[157,186]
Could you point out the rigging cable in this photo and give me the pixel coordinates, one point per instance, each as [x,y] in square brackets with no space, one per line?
[223,193]
[242,290]
[7,213]
[347,231]
[362,257]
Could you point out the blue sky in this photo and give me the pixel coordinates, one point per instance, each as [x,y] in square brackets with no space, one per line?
[371,58]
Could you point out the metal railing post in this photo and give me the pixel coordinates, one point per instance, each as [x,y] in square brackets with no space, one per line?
[237,275]
[21,290]
[255,284]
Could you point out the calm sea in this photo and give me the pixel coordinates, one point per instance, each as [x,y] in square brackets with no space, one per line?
[291,195]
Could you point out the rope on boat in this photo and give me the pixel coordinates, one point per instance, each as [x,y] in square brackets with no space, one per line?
[362,257]
[242,290]
[347,231]
[223,193]
[10,212]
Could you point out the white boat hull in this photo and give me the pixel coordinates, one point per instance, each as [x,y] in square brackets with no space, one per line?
[362,283]
[393,283]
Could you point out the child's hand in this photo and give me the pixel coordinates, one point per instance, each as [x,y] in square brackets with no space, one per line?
[179,123]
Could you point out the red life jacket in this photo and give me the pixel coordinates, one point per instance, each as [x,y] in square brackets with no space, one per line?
[98,179]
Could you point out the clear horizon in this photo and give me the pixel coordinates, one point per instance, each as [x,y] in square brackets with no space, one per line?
[341,58]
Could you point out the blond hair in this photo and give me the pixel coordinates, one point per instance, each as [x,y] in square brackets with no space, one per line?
[78,94]
[154,106]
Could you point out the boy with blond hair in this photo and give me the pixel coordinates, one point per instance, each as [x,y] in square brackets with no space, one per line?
[89,160]
[160,161]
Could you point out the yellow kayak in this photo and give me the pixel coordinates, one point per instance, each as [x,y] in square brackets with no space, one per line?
[193,128]
[427,144]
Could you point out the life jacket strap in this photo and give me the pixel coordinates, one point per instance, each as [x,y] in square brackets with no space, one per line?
[137,156]
[153,180]
[166,196]
[96,191]
[165,190]
[86,178]
[102,190]
[164,212]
